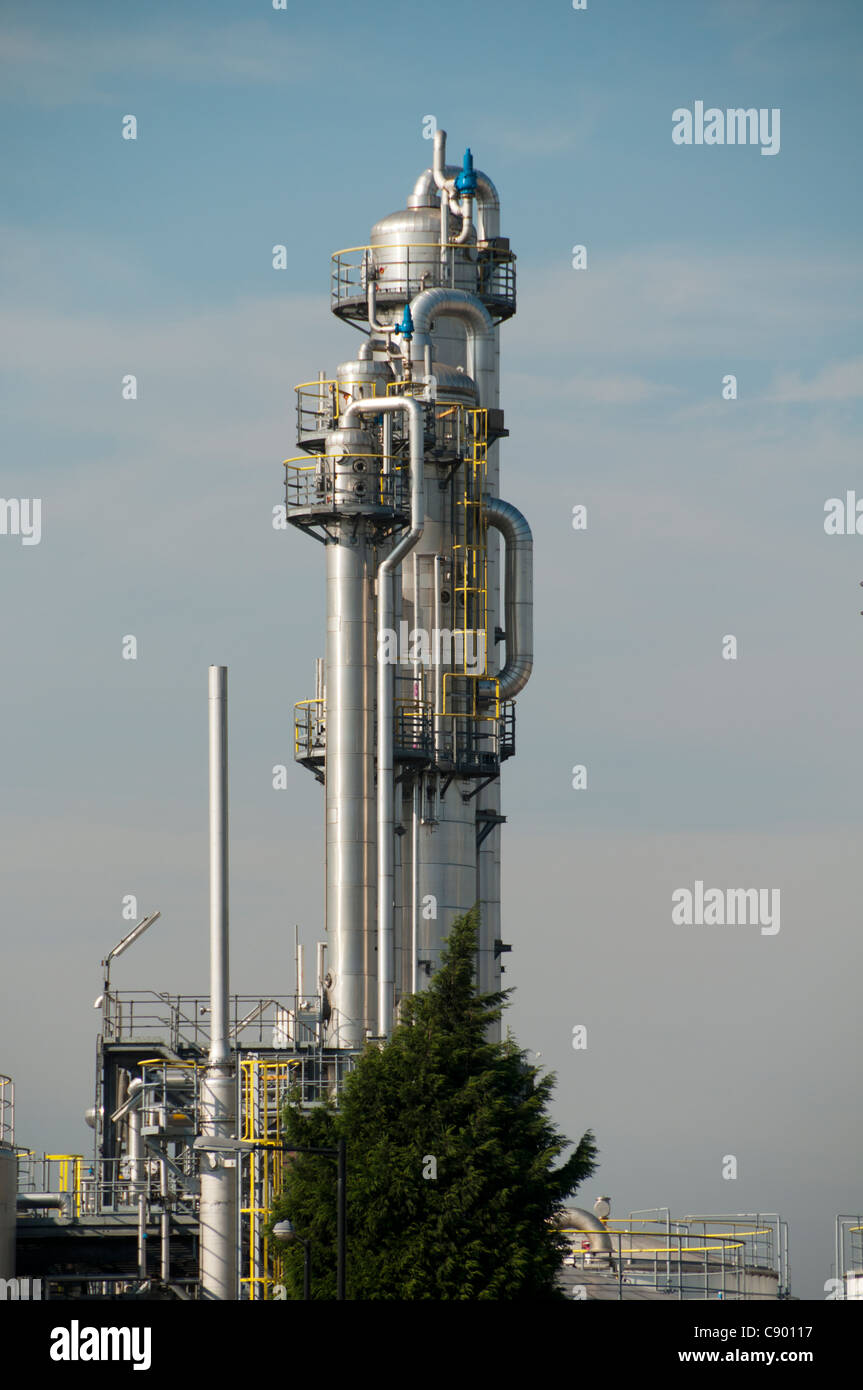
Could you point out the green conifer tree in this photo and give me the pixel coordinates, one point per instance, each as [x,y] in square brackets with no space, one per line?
[451,1188]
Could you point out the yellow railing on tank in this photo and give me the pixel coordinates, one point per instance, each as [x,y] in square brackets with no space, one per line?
[325,400]
[303,723]
[304,487]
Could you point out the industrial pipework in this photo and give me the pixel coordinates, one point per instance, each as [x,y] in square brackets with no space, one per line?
[218,1206]
[413,716]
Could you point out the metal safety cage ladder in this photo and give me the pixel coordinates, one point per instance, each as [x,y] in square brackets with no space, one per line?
[264,1087]
[470,697]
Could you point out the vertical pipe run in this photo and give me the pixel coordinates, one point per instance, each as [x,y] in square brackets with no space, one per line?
[138,1174]
[349,790]
[451,869]
[142,1236]
[387,444]
[415,844]
[341,1219]
[165,1222]
[219,1207]
[437,658]
[385,690]
[218,704]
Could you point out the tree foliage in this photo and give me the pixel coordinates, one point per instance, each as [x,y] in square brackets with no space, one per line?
[452,1186]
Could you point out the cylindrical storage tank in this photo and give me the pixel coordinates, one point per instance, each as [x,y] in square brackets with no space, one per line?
[361,378]
[405,249]
[353,471]
[8,1194]
[761,1283]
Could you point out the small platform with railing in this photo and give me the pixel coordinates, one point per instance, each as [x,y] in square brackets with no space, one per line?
[403,270]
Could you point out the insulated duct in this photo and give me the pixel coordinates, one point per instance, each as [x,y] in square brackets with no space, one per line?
[518,594]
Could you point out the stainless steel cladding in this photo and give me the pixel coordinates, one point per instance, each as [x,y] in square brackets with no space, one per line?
[405,257]
[352,469]
[350,786]
[363,377]
[414,718]
[219,1194]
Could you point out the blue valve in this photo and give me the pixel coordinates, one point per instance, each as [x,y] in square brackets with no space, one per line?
[406,327]
[466,180]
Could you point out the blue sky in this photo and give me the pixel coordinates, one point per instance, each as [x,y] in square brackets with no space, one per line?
[304,127]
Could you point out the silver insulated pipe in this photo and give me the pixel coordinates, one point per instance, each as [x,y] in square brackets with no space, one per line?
[218,762]
[386,608]
[349,789]
[456,304]
[219,1173]
[518,594]
[488,202]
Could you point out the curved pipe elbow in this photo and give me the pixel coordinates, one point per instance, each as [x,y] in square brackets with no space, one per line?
[518,594]
[580,1220]
[439,166]
[466,211]
[466,307]
[487,199]
[372,304]
[457,303]
[61,1200]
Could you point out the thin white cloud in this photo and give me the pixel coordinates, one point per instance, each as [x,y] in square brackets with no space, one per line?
[52,67]
[673,301]
[841,381]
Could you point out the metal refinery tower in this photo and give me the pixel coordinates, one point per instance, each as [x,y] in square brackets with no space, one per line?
[426,642]
[427,645]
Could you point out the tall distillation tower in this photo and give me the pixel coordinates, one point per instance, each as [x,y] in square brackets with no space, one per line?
[413,714]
